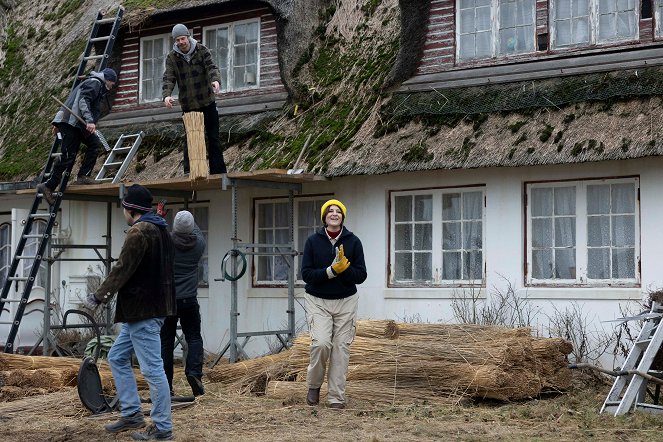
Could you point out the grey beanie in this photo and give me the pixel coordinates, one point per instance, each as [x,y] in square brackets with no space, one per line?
[183,222]
[180,30]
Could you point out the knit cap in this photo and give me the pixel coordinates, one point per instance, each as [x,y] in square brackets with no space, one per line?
[180,30]
[183,222]
[109,75]
[332,202]
[138,198]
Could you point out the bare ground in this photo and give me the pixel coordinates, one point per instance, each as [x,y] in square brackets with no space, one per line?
[222,414]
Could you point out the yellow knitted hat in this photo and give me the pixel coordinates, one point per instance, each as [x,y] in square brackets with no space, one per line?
[323,209]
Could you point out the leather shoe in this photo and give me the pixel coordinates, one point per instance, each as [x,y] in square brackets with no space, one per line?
[136,420]
[196,384]
[84,180]
[313,396]
[337,406]
[46,193]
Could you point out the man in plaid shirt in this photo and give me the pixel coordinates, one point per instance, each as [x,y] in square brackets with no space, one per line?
[190,66]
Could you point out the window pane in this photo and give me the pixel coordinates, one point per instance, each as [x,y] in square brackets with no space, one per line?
[472,269]
[281,215]
[423,266]
[598,199]
[467,21]
[598,266]
[305,213]
[565,200]
[542,232]
[542,202]
[423,236]
[542,264]
[484,43]
[623,263]
[623,230]
[403,208]
[403,237]
[565,232]
[265,268]
[423,208]
[265,215]
[565,263]
[403,264]
[451,237]
[598,231]
[563,9]
[623,198]
[451,265]
[451,206]
[472,205]
[472,235]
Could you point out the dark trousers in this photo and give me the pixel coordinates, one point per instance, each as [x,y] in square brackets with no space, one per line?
[188,312]
[214,152]
[71,142]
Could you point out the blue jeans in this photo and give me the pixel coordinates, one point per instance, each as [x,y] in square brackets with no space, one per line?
[141,337]
[188,312]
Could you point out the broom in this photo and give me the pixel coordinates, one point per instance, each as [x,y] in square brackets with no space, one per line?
[99,135]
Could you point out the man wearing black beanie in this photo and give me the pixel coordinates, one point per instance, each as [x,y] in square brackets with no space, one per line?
[143,279]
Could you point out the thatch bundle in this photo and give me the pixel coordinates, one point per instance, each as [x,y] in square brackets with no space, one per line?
[194,124]
[426,360]
[10,393]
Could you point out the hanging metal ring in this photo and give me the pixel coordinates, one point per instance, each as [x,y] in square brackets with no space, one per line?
[224,262]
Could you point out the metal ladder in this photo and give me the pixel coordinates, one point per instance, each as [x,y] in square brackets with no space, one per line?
[102,38]
[119,157]
[630,386]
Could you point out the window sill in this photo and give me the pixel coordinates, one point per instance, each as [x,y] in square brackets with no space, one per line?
[582,293]
[432,293]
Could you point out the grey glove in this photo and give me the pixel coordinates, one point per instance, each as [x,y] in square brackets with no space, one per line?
[90,302]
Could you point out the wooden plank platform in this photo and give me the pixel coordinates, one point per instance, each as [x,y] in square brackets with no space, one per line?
[183,184]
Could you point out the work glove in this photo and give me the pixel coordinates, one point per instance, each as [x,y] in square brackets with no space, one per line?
[161,209]
[91,302]
[340,263]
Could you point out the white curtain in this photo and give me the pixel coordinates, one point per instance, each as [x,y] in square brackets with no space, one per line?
[516,33]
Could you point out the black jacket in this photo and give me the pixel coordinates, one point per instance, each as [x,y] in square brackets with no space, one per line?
[189,248]
[143,273]
[319,254]
[85,100]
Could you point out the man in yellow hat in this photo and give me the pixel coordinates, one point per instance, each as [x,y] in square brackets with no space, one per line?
[332,266]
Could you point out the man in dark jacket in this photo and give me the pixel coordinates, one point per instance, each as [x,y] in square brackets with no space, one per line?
[189,247]
[332,266]
[85,102]
[190,66]
[143,280]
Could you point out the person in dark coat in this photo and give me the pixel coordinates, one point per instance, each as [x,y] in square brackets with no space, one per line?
[143,279]
[85,101]
[189,248]
[332,265]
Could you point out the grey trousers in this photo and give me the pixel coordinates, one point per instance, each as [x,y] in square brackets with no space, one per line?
[332,326]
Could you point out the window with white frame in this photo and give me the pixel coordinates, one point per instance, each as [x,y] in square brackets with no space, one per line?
[30,249]
[584,22]
[584,232]
[235,49]
[658,17]
[201,217]
[5,251]
[272,227]
[490,28]
[437,237]
[153,52]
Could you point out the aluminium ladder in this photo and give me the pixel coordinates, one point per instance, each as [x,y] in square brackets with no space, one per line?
[101,41]
[629,389]
[119,158]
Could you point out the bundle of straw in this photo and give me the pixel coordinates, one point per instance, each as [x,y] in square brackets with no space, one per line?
[250,376]
[195,140]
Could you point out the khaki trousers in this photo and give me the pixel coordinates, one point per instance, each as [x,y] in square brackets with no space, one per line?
[332,326]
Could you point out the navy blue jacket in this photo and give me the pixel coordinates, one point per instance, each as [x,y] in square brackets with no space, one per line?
[319,254]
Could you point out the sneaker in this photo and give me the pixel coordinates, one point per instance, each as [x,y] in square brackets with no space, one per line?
[197,386]
[83,180]
[152,433]
[46,193]
[313,396]
[136,420]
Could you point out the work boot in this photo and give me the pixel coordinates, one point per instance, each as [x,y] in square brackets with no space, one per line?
[313,396]
[197,386]
[83,180]
[136,420]
[46,193]
[152,433]
[337,406]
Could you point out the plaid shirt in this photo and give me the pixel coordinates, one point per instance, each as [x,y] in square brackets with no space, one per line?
[194,78]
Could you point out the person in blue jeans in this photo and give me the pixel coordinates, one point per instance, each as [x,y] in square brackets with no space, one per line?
[143,279]
[189,248]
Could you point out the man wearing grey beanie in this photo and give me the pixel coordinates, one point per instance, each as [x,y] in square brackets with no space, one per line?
[189,248]
[190,66]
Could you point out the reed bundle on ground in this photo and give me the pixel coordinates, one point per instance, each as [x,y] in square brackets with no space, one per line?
[250,376]
[194,124]
[444,360]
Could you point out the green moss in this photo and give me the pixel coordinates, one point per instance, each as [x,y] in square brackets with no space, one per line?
[369,7]
[477,121]
[66,8]
[545,133]
[303,60]
[515,127]
[417,153]
[511,153]
[558,136]
[578,148]
[626,143]
[560,147]
[520,139]
[568,118]
[652,143]
[530,150]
